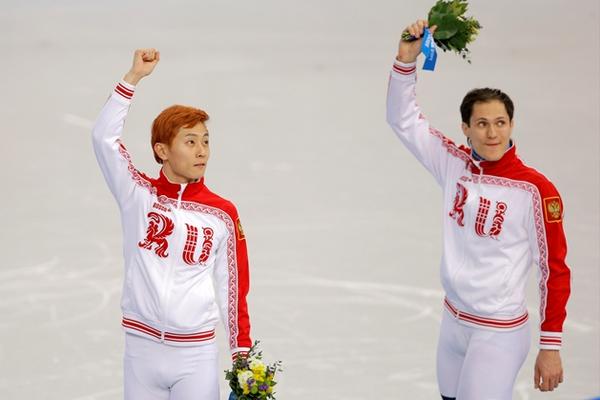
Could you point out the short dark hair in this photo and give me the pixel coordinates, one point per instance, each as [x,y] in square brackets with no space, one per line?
[483,95]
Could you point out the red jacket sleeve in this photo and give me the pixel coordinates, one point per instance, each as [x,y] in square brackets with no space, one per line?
[554,274]
[243,286]
[232,280]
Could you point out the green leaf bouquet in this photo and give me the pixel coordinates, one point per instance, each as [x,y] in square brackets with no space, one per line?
[454,30]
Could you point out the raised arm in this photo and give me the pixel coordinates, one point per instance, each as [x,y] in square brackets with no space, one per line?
[110,152]
[427,144]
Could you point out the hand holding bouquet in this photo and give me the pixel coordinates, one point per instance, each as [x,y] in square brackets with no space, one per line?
[250,378]
[453,30]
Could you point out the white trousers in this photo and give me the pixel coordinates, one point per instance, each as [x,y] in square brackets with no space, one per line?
[479,364]
[156,371]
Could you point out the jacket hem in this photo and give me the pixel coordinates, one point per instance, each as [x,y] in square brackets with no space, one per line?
[481,322]
[200,337]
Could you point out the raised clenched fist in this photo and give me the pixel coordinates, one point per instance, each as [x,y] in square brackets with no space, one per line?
[144,61]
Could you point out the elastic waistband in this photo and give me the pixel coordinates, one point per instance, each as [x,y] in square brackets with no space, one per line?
[495,323]
[176,338]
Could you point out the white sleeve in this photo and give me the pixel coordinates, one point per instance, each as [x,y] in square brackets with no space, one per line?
[427,144]
[110,152]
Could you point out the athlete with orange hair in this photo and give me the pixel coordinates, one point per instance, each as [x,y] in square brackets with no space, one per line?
[185,251]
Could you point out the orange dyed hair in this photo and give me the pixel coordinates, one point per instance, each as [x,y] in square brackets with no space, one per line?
[170,120]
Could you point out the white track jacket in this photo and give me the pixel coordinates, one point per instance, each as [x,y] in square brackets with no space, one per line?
[499,218]
[184,248]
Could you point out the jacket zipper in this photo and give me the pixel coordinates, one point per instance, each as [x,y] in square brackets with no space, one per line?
[477,189]
[171,267]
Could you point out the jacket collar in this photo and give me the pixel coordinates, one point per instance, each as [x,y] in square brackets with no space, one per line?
[171,190]
[495,167]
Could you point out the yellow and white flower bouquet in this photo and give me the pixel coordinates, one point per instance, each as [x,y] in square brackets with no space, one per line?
[250,378]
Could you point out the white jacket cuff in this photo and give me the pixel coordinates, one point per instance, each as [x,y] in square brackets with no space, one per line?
[550,340]
[124,91]
[404,70]
[242,351]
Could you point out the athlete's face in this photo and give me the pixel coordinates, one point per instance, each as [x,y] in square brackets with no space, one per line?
[184,161]
[489,129]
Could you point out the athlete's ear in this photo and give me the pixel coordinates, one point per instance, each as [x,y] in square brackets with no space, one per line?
[162,150]
[465,129]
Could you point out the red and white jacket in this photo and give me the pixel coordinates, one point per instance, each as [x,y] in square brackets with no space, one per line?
[499,218]
[184,248]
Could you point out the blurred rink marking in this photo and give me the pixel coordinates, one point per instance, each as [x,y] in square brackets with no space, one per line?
[408,376]
[50,286]
[78,121]
[102,394]
[522,389]
[395,294]
[370,293]
[33,270]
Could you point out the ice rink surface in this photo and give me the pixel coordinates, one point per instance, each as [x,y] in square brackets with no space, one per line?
[343,225]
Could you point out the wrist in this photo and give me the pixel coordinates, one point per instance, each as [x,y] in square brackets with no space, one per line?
[405,59]
[132,78]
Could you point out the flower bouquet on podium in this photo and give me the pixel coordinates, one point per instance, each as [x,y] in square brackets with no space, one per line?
[250,378]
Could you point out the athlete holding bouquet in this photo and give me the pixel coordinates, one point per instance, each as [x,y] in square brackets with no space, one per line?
[184,248]
[500,217]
